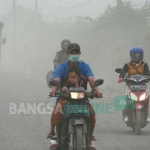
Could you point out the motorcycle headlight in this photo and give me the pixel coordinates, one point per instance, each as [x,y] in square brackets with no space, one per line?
[142,97]
[133,97]
[77,95]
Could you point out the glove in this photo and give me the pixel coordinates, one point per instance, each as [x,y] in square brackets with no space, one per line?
[120,80]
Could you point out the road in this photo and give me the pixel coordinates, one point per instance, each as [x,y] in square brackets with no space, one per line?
[28,131]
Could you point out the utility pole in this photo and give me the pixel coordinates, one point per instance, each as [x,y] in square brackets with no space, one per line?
[36,6]
[147,5]
[36,11]
[1,26]
[60,10]
[14,25]
[4,39]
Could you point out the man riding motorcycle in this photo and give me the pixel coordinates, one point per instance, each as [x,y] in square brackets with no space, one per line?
[74,79]
[60,58]
[61,55]
[61,71]
[135,66]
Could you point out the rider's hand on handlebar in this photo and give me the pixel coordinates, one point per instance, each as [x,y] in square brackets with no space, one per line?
[64,89]
[52,93]
[120,80]
[99,95]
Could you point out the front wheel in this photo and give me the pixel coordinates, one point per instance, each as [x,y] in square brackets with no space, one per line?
[138,122]
[78,137]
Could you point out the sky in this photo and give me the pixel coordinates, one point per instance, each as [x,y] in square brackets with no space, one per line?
[92,8]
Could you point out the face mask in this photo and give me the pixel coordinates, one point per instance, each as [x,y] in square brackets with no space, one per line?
[74,58]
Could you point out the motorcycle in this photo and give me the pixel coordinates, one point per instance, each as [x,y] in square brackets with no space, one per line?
[137,97]
[76,118]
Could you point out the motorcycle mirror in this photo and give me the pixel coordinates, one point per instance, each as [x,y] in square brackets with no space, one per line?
[118,70]
[98,82]
[54,83]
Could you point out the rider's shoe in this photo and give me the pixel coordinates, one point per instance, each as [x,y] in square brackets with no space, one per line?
[126,119]
[148,119]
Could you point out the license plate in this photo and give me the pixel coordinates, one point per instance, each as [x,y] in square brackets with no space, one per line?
[138,87]
[76,109]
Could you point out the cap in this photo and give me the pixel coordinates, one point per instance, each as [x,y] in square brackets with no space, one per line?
[73,46]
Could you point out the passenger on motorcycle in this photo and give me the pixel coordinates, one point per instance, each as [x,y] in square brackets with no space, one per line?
[61,71]
[135,66]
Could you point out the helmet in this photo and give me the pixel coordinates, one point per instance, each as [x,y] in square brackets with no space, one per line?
[136,54]
[64,44]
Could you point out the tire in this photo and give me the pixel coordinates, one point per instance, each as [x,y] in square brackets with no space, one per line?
[78,137]
[138,122]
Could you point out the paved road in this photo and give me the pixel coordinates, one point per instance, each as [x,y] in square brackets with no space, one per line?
[28,131]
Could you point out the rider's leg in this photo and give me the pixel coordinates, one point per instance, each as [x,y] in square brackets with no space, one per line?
[58,132]
[57,144]
[52,126]
[93,122]
[127,109]
[147,110]
[57,117]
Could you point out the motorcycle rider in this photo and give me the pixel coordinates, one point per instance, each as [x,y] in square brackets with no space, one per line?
[135,66]
[61,55]
[74,79]
[61,71]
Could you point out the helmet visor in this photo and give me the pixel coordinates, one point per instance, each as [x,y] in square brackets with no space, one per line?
[64,46]
[137,56]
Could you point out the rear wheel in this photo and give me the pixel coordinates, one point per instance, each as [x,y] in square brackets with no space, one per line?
[138,122]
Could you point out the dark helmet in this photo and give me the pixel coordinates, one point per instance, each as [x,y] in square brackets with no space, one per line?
[136,54]
[65,43]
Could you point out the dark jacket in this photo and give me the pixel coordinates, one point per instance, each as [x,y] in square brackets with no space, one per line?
[60,58]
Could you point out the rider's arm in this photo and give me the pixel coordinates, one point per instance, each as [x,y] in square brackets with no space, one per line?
[56,61]
[57,76]
[90,77]
[65,85]
[91,82]
[125,70]
[55,88]
[146,70]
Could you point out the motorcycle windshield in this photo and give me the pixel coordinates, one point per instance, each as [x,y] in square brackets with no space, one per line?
[136,79]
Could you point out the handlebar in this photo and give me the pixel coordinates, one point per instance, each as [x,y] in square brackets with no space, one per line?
[65,94]
[132,79]
[56,94]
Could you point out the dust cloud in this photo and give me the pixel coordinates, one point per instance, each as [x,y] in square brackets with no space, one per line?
[104,44]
